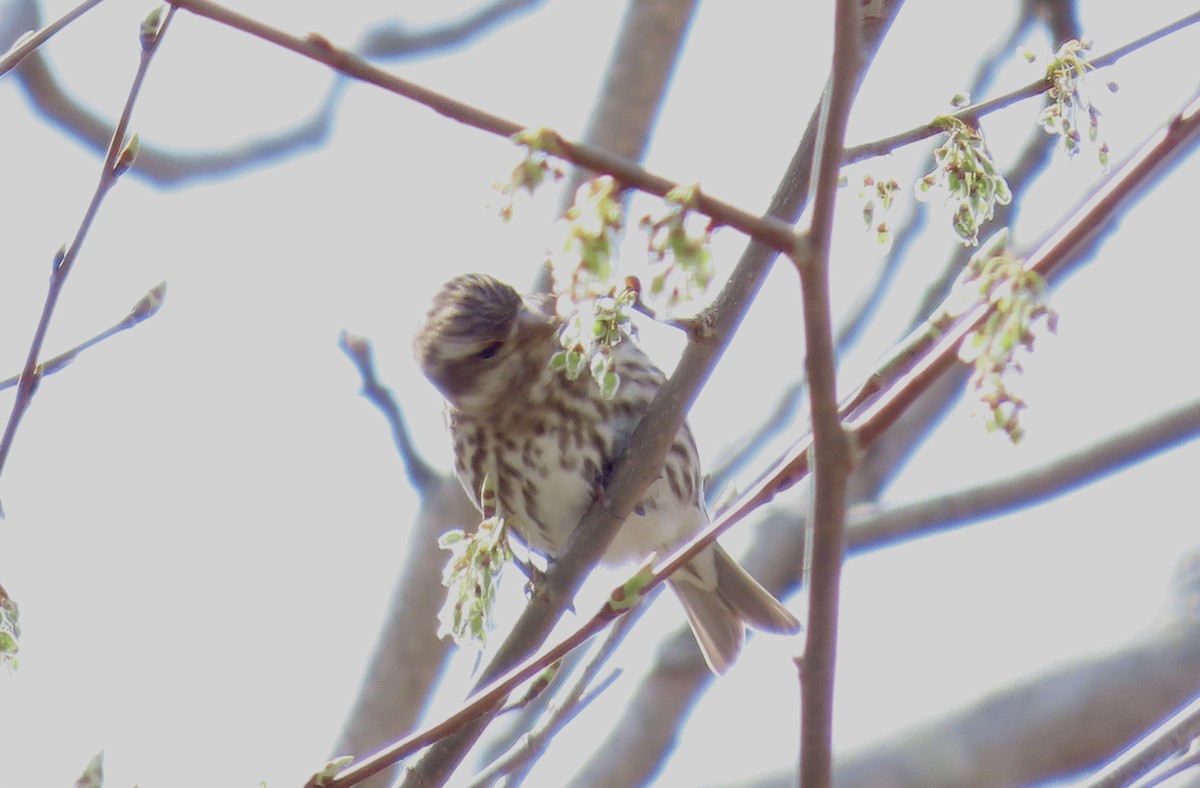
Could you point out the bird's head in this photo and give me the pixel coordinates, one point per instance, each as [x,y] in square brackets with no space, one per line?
[481,343]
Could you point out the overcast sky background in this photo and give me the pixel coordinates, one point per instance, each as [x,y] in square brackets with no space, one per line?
[204,518]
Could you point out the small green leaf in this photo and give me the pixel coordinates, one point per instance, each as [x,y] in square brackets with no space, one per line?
[331,769]
[150,28]
[629,594]
[93,773]
[609,384]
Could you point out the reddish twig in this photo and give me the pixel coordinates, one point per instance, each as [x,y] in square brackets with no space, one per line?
[773,232]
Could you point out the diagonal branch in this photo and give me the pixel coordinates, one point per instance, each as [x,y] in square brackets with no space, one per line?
[145,308]
[976,111]
[1172,736]
[117,160]
[421,474]
[166,167]
[777,234]
[26,44]
[1033,485]
[932,349]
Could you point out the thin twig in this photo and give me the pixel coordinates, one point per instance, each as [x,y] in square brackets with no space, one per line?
[423,477]
[567,705]
[167,167]
[116,161]
[145,308]
[975,111]
[932,348]
[25,45]
[940,349]
[777,234]
[1173,765]
[1172,736]
[749,446]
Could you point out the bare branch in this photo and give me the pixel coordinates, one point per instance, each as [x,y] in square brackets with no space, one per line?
[166,167]
[748,447]
[1052,725]
[1171,737]
[396,40]
[408,656]
[25,45]
[159,165]
[1031,486]
[626,107]
[773,232]
[146,307]
[832,458]
[420,473]
[565,706]
[120,156]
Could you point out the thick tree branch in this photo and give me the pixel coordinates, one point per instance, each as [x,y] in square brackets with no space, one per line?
[1033,485]
[1053,725]
[635,83]
[408,656]
[639,69]
[831,451]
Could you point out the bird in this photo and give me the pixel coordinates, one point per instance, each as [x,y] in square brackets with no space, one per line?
[546,442]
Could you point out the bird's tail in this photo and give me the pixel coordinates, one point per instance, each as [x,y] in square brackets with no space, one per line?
[719,616]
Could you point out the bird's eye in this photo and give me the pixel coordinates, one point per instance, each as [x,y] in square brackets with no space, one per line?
[489,350]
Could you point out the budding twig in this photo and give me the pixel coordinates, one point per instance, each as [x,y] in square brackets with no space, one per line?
[119,157]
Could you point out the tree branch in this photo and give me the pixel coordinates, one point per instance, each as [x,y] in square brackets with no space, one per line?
[976,111]
[421,474]
[779,235]
[1172,736]
[831,455]
[145,308]
[1049,726]
[26,44]
[117,160]
[395,40]
[1033,485]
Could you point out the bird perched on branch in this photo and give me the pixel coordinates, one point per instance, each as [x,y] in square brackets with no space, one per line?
[546,442]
